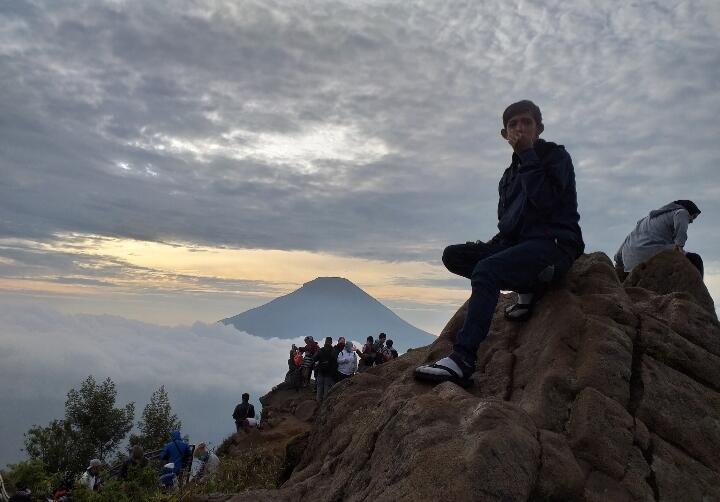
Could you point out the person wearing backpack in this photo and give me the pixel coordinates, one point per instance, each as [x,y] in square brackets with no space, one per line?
[178,452]
[326,367]
[242,412]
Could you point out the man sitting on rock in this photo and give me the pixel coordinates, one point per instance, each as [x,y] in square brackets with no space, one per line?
[539,238]
[664,228]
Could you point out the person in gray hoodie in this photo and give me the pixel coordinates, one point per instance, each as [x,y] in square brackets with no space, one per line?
[662,229]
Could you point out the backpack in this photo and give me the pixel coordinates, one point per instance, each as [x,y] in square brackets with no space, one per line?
[298,359]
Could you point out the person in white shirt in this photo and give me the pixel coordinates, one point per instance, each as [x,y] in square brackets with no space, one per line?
[208,463]
[347,360]
[91,476]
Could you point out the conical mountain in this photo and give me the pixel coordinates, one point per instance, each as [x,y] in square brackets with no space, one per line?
[329,306]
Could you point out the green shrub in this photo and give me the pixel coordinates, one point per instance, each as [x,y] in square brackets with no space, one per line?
[29,473]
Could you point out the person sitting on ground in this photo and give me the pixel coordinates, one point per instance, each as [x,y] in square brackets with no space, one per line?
[347,362]
[177,452]
[368,354]
[539,238]
[242,412]
[380,349]
[132,465]
[662,229]
[326,360]
[393,352]
[209,463]
[91,477]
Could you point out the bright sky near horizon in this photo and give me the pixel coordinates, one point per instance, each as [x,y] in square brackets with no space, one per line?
[192,160]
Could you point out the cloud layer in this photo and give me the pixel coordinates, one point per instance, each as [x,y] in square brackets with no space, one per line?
[205,368]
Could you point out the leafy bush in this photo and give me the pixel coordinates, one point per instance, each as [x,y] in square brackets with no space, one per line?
[28,473]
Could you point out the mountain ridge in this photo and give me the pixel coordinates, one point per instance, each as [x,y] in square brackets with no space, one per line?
[328,306]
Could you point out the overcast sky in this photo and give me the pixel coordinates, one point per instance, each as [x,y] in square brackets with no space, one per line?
[188,160]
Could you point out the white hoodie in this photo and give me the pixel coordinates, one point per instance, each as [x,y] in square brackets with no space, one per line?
[662,229]
[347,362]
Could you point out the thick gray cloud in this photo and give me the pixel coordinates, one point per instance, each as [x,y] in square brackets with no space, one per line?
[204,367]
[136,120]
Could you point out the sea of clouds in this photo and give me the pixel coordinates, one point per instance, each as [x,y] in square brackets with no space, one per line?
[204,367]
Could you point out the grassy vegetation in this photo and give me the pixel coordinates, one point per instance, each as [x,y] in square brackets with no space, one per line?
[249,470]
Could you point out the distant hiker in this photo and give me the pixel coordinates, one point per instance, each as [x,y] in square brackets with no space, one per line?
[326,360]
[393,352]
[539,238]
[309,350]
[91,477]
[293,377]
[368,354]
[178,452]
[209,463]
[132,465]
[310,346]
[380,349]
[242,412]
[662,229]
[347,362]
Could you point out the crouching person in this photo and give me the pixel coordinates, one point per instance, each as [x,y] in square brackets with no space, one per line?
[662,229]
[539,238]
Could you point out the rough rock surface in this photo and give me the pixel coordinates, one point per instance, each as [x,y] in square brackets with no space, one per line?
[287,414]
[610,392]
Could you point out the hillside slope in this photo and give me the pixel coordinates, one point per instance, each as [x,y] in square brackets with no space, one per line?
[610,392]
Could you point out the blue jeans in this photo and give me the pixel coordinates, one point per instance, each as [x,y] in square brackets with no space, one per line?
[494,267]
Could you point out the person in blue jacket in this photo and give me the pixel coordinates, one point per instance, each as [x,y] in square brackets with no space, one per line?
[539,238]
[176,451]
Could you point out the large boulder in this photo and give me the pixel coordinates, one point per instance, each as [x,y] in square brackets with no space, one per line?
[610,392]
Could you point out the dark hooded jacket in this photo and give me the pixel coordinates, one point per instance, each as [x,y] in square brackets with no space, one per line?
[538,199]
[176,451]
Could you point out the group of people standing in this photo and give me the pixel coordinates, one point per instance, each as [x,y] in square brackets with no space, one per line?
[334,363]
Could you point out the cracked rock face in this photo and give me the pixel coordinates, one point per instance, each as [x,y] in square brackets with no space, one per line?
[610,392]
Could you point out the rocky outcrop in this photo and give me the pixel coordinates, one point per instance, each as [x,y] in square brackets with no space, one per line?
[610,392]
[286,415]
